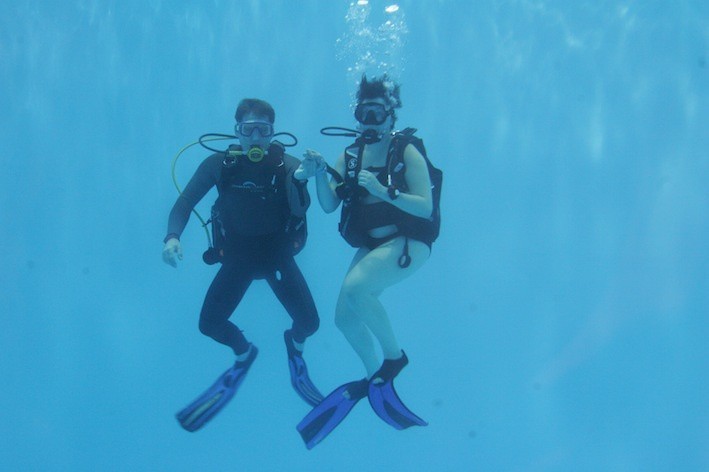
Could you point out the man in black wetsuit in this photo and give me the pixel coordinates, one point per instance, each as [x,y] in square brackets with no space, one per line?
[258,198]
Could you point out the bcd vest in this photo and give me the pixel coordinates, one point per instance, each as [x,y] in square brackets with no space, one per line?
[356,221]
[253,202]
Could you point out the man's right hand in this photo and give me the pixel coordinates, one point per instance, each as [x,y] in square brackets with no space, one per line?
[172,252]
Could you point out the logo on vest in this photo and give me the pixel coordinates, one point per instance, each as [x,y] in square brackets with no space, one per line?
[249,186]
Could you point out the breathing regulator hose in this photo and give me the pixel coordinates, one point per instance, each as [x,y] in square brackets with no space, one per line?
[205,224]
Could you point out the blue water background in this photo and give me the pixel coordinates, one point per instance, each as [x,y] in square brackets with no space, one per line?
[561,323]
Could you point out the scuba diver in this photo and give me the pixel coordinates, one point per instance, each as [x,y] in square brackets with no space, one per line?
[390,197]
[258,225]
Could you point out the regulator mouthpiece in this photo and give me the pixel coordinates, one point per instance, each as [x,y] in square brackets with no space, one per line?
[255,154]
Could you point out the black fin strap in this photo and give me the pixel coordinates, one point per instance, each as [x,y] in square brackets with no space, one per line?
[405,259]
[391,367]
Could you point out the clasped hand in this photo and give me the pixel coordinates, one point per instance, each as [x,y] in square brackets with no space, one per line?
[313,163]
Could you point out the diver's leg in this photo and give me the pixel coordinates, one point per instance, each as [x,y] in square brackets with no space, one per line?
[291,289]
[357,334]
[288,283]
[352,325]
[224,294]
[366,280]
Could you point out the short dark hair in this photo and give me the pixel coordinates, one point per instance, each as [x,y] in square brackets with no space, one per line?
[255,106]
[380,87]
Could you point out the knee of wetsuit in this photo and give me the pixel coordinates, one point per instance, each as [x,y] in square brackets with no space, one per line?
[206,327]
[305,327]
[310,326]
[210,326]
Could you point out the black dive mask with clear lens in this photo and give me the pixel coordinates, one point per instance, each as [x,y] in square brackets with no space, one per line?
[371,113]
[247,129]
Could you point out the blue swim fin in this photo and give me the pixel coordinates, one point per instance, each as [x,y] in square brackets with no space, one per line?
[216,397]
[299,378]
[385,401]
[330,412]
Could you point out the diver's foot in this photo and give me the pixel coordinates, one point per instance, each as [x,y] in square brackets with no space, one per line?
[244,356]
[356,390]
[216,397]
[390,368]
[291,344]
[385,401]
[300,380]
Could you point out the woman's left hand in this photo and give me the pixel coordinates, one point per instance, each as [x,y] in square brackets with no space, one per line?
[369,181]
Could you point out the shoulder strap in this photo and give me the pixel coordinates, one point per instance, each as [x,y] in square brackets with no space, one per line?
[395,156]
[347,184]
[353,161]
[231,155]
[276,150]
[408,131]
[229,165]
[401,139]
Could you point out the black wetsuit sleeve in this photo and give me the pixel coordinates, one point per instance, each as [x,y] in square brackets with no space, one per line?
[206,176]
[297,191]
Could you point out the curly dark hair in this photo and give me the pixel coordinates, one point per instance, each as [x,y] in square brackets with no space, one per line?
[380,87]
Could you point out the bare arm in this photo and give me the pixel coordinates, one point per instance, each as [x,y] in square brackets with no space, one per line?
[325,187]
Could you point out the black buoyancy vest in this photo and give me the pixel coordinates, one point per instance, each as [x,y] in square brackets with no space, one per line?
[355,223]
[252,199]
[253,202]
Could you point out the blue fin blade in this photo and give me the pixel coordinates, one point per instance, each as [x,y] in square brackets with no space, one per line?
[301,381]
[388,406]
[327,415]
[215,398]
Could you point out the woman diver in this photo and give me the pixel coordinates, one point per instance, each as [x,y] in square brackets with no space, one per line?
[384,186]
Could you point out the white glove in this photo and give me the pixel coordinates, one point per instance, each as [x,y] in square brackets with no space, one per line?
[172,252]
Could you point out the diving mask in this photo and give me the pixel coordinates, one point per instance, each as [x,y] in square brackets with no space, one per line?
[247,128]
[371,113]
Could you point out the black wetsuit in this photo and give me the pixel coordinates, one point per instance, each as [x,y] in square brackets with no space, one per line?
[256,248]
